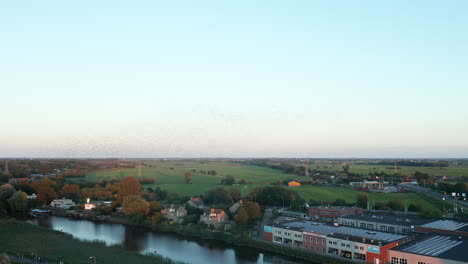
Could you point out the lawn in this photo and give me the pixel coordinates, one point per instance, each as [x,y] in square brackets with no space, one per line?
[19,237]
[319,193]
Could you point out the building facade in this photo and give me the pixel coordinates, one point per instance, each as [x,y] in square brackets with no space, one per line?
[330,214]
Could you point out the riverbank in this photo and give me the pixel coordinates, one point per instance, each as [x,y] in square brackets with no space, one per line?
[17,237]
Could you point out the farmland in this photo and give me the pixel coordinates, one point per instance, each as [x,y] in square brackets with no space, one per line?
[169,176]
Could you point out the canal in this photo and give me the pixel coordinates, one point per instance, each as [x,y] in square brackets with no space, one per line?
[173,246]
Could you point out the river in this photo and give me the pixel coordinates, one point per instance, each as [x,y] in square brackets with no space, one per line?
[172,246]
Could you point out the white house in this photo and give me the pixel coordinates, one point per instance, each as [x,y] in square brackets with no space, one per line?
[62,203]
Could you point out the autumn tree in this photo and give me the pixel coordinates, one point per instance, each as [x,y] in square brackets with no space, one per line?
[155,206]
[4,259]
[25,187]
[133,204]
[18,202]
[187,177]
[156,218]
[45,190]
[362,199]
[253,210]
[235,194]
[241,217]
[128,186]
[71,191]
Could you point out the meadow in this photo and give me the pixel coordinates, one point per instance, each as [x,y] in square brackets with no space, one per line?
[364,169]
[169,176]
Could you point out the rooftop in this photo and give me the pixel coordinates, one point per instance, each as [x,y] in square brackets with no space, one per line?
[448,225]
[388,219]
[444,247]
[349,231]
[334,208]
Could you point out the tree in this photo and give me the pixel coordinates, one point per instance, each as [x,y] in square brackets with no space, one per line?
[235,194]
[133,204]
[25,187]
[242,217]
[228,180]
[156,218]
[6,191]
[128,186]
[155,206]
[18,202]
[362,199]
[253,210]
[187,177]
[71,191]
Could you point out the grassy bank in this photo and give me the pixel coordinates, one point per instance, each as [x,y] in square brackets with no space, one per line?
[20,237]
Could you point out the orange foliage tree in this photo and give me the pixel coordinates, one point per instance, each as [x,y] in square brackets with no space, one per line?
[135,204]
[71,191]
[45,190]
[128,186]
[253,210]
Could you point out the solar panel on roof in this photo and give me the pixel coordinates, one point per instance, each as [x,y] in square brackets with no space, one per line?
[446,225]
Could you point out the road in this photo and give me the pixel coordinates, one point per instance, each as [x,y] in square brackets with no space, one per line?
[436,194]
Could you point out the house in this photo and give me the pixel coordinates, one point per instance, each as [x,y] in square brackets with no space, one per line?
[196,202]
[213,216]
[32,196]
[294,184]
[91,205]
[17,180]
[233,209]
[62,203]
[174,212]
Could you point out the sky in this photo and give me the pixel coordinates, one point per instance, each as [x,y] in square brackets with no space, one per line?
[331,79]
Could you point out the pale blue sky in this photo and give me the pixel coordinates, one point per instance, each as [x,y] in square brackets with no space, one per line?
[239,79]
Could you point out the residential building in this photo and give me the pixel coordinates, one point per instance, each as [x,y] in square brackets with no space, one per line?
[431,249]
[233,209]
[330,214]
[91,205]
[444,227]
[174,212]
[63,203]
[196,202]
[32,196]
[17,180]
[212,216]
[383,223]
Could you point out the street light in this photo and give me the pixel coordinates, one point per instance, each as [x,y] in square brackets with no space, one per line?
[34,257]
[93,260]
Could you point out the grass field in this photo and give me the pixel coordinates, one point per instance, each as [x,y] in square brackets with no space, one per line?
[169,176]
[19,237]
[451,171]
[349,195]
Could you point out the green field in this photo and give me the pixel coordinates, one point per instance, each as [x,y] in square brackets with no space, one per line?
[318,193]
[451,171]
[169,176]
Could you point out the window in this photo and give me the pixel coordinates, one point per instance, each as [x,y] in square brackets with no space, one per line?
[394,260]
[363,225]
[348,245]
[356,247]
[329,242]
[383,228]
[391,229]
[361,248]
[335,243]
[359,256]
[317,240]
[370,226]
[342,244]
[323,241]
[403,261]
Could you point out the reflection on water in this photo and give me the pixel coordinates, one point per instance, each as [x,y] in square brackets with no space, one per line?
[167,245]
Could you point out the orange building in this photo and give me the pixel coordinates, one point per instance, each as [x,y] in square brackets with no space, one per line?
[293,184]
